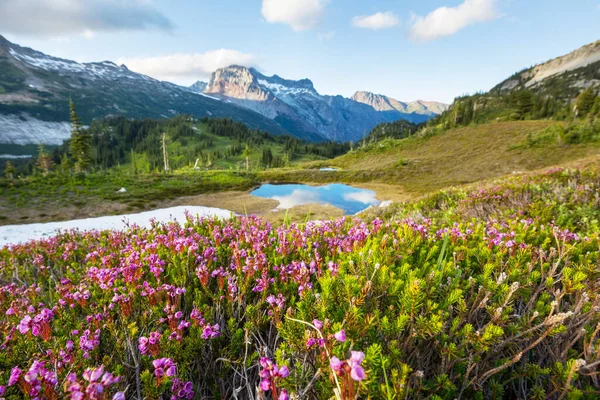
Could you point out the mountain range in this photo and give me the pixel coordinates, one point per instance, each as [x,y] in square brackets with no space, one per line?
[35,89]
[298,107]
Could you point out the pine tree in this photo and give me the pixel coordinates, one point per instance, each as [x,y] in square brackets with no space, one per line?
[585,102]
[267,157]
[65,164]
[9,170]
[44,161]
[525,103]
[80,142]
[596,108]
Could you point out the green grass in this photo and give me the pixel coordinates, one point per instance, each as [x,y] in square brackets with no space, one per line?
[54,192]
[458,156]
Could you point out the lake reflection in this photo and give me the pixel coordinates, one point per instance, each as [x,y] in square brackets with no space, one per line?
[347,198]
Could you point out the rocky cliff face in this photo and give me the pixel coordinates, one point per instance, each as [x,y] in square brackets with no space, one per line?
[198,87]
[297,106]
[567,74]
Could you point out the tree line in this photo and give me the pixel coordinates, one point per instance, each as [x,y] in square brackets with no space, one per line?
[137,143]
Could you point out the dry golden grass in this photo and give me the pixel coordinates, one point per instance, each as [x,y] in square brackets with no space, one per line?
[459,156]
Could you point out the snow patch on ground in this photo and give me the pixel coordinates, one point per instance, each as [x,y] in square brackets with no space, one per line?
[14,234]
[14,157]
[27,130]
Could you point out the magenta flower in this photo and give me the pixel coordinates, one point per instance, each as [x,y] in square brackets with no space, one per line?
[357,372]
[24,324]
[164,366]
[15,374]
[283,372]
[318,324]
[340,336]
[265,385]
[271,372]
[336,364]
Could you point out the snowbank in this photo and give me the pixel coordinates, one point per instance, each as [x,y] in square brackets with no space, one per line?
[13,234]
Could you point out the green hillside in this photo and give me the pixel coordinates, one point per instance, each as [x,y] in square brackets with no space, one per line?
[422,163]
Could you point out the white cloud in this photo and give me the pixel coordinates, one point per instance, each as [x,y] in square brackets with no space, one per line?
[186,68]
[67,17]
[298,197]
[365,197]
[299,14]
[446,21]
[380,20]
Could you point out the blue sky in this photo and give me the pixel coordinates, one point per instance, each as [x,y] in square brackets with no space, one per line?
[427,49]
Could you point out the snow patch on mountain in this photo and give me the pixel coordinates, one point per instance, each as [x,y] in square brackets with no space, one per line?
[95,70]
[23,129]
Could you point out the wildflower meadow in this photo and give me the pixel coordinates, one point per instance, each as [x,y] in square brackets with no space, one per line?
[484,294]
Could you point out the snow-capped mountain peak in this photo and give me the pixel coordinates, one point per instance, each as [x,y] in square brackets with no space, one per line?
[299,105]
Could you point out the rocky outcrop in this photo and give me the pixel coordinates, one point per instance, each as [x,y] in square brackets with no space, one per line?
[578,69]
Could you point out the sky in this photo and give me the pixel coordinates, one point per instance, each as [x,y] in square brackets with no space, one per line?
[407,49]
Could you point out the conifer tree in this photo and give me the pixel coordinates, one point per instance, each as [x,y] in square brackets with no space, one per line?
[525,103]
[585,102]
[65,163]
[44,161]
[267,157]
[9,170]
[80,142]
[596,108]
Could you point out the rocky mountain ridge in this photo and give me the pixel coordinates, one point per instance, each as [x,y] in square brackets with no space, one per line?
[564,76]
[297,105]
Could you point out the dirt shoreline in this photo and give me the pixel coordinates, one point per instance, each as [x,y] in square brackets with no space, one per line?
[239,202]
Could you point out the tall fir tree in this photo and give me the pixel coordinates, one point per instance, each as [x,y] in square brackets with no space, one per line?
[585,102]
[44,161]
[9,170]
[525,103]
[596,108]
[80,142]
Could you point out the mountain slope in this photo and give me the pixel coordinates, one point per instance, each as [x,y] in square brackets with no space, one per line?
[421,164]
[297,106]
[35,89]
[563,76]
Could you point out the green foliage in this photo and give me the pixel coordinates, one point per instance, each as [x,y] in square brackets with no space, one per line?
[488,293]
[392,130]
[585,102]
[79,144]
[9,170]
